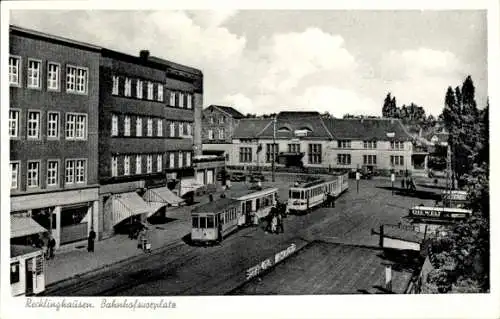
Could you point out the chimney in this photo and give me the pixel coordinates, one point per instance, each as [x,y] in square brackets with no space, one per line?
[144,55]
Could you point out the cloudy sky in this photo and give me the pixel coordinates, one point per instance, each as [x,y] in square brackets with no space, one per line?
[268,61]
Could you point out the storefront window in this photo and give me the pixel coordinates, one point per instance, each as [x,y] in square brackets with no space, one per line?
[73,228]
[43,216]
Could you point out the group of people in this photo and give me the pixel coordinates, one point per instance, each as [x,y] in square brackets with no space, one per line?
[46,242]
[275,221]
[408,184]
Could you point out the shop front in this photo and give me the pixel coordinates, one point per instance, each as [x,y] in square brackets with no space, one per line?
[67,216]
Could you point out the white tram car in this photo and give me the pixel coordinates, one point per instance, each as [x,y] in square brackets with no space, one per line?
[215,220]
[304,196]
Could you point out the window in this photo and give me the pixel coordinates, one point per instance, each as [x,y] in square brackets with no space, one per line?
[188,159]
[315,154]
[76,79]
[397,160]
[70,172]
[139,87]
[171,160]
[114,166]
[76,126]
[172,99]
[149,164]
[150,127]
[210,134]
[138,126]
[294,148]
[181,161]
[53,76]
[128,87]
[245,154]
[126,165]
[34,70]
[211,120]
[369,159]
[160,92]
[114,125]
[221,120]
[33,124]
[189,101]
[195,221]
[181,129]
[271,151]
[14,175]
[172,129]
[344,144]
[14,272]
[181,99]
[76,171]
[160,127]
[138,164]
[150,90]
[221,133]
[14,70]
[370,144]
[81,175]
[33,174]
[126,130]
[52,173]
[52,125]
[159,164]
[397,145]
[188,129]
[13,123]
[116,85]
[344,159]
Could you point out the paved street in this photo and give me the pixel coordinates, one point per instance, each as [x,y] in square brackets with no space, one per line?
[180,269]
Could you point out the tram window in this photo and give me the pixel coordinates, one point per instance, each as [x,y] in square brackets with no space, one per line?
[257,204]
[195,221]
[210,221]
[302,195]
[203,222]
[295,194]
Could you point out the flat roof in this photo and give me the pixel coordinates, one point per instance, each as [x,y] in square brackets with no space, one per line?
[244,192]
[19,250]
[330,268]
[214,206]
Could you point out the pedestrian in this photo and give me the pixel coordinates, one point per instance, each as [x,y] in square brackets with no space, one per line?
[228,184]
[333,200]
[403,183]
[51,246]
[92,236]
[280,223]
[274,221]
[219,232]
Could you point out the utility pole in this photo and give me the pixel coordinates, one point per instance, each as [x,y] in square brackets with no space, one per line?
[274,148]
[449,177]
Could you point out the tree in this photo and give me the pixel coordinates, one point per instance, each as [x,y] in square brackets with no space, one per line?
[387,107]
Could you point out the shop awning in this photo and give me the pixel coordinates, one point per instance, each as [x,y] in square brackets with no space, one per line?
[162,195]
[23,226]
[154,207]
[127,205]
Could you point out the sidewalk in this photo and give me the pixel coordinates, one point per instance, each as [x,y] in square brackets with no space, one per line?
[119,247]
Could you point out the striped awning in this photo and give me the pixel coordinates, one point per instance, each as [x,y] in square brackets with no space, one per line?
[127,205]
[162,195]
[23,226]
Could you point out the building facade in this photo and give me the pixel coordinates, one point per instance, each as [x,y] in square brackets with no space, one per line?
[218,124]
[305,139]
[147,134]
[53,128]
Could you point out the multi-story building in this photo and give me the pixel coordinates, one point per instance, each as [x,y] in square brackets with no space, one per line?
[306,139]
[218,124]
[53,128]
[147,116]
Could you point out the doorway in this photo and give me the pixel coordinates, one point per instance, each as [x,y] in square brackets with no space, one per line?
[29,276]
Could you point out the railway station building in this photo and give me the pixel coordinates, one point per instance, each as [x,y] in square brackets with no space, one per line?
[305,139]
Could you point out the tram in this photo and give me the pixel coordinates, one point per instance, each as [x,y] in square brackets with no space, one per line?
[306,195]
[213,221]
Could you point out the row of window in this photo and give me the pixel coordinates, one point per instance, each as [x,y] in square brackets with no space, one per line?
[75,172]
[176,129]
[212,119]
[395,145]
[138,160]
[221,134]
[345,159]
[75,126]
[128,87]
[76,76]
[314,154]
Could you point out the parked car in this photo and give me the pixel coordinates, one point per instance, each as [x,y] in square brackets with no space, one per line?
[237,177]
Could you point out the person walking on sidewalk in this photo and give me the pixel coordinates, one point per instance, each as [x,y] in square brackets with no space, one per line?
[280,223]
[92,236]
[51,246]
